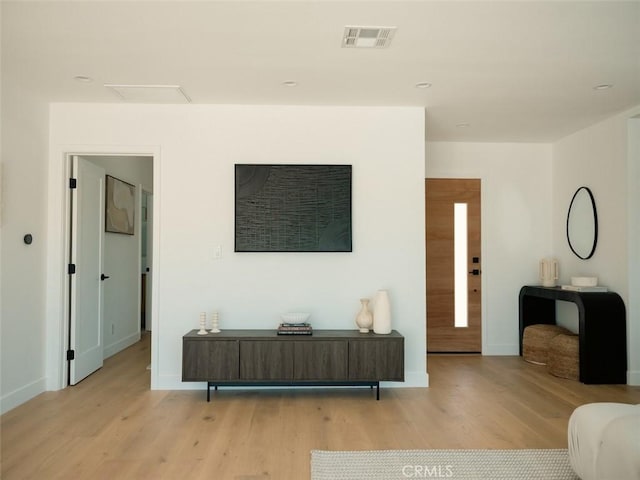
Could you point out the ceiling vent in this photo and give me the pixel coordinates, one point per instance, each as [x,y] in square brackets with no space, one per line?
[367,37]
[150,93]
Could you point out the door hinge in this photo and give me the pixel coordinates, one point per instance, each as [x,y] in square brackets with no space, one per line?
[73,183]
[71,354]
[71,269]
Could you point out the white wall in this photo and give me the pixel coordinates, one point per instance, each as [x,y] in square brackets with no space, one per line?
[24,173]
[121,322]
[598,157]
[516,227]
[197,147]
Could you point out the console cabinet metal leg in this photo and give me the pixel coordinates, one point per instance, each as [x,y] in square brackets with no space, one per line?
[263,358]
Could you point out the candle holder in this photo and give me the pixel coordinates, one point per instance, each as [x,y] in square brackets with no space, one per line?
[215,327]
[203,321]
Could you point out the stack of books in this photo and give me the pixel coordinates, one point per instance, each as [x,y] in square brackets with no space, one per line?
[302,328]
[591,288]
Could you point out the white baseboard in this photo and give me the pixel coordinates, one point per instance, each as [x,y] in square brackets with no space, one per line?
[120,345]
[21,395]
[633,377]
[411,380]
[174,382]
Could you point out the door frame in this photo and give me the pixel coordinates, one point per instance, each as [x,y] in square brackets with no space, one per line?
[148,283]
[456,189]
[58,244]
[486,260]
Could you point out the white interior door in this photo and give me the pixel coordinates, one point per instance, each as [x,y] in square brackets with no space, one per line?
[87,243]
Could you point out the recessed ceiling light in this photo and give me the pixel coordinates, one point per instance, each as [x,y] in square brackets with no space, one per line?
[423,85]
[290,83]
[463,125]
[83,78]
[604,86]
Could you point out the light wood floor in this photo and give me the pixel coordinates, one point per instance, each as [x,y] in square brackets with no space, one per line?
[112,426]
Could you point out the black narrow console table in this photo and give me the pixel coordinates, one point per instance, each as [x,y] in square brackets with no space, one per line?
[601,324]
[264,358]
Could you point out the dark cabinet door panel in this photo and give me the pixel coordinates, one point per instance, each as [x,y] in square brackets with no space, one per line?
[266,360]
[205,360]
[320,360]
[376,359]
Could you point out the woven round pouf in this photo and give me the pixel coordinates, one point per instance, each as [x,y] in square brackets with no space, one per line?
[564,356]
[535,341]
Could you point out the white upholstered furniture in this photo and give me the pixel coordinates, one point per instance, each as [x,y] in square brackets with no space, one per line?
[604,441]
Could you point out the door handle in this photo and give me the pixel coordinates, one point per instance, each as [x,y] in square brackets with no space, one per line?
[103,277]
[475,271]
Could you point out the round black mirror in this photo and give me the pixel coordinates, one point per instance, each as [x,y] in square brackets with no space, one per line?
[582,224]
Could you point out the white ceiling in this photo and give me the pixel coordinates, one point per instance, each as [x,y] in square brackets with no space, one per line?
[514,71]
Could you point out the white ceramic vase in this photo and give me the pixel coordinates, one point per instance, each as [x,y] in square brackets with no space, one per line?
[382,313]
[548,272]
[364,319]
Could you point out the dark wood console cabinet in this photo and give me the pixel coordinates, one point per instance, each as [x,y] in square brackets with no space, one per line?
[601,324]
[264,358]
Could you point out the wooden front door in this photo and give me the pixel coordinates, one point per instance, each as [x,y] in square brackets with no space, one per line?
[442,333]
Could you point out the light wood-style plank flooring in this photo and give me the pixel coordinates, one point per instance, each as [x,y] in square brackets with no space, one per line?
[112,426]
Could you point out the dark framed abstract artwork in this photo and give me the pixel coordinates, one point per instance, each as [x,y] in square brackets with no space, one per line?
[292,208]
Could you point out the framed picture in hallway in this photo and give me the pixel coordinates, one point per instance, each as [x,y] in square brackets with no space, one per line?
[119,206]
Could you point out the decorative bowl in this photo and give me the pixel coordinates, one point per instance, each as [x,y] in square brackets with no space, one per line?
[584,281]
[295,317]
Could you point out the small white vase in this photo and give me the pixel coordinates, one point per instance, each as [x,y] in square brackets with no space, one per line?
[382,313]
[548,272]
[364,319]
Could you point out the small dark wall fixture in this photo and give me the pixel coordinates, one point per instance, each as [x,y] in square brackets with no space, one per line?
[582,224]
[27,239]
[292,208]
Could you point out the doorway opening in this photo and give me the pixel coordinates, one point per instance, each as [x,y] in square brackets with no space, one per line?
[107,270]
